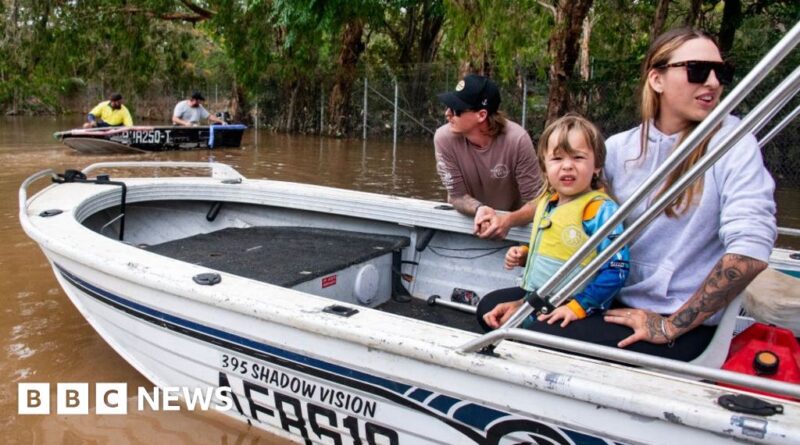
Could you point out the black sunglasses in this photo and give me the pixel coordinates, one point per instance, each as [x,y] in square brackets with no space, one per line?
[458,112]
[697,71]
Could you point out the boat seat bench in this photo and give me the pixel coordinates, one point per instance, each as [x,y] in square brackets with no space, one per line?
[284,256]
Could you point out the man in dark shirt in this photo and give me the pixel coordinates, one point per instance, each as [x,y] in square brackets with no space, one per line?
[486,162]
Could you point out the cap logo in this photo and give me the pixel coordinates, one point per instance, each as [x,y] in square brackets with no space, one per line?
[460,85]
[485,102]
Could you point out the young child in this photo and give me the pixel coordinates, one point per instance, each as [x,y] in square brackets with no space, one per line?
[571,206]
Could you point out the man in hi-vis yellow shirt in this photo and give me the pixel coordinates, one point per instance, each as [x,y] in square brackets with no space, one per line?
[110,113]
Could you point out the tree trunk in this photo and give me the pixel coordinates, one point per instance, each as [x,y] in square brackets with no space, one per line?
[731,19]
[586,35]
[662,10]
[474,39]
[429,38]
[289,127]
[694,13]
[339,102]
[238,105]
[585,65]
[564,47]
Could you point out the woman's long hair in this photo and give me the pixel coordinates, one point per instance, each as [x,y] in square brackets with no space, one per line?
[659,54]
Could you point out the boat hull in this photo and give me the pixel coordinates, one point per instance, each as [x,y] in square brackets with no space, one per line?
[297,369]
[353,394]
[146,139]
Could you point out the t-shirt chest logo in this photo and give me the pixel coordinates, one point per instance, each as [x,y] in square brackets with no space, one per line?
[500,171]
[572,236]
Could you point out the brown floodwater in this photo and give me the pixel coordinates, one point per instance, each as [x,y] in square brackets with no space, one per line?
[43,338]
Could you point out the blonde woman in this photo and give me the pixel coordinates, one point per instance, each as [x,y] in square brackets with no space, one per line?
[717,236]
[694,259]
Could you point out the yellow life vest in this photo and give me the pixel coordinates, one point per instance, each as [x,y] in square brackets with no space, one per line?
[557,235]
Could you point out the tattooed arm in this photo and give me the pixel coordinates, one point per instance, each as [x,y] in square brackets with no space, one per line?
[465,204]
[727,279]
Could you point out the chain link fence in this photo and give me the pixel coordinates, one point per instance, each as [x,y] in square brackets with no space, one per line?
[386,103]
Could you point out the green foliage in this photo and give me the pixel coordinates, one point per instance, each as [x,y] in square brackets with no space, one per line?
[278,52]
[509,36]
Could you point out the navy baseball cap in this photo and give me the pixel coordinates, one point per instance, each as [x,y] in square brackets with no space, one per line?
[196,95]
[474,92]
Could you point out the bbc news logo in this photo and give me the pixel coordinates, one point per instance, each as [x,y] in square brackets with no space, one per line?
[112,398]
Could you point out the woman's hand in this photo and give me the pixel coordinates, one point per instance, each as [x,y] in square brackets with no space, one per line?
[516,257]
[647,326]
[501,313]
[560,313]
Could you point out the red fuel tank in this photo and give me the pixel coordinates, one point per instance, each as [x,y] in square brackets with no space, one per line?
[766,351]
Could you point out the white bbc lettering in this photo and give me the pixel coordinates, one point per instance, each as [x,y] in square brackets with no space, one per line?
[72,398]
[161,400]
[111,398]
[168,398]
[198,397]
[33,398]
[171,400]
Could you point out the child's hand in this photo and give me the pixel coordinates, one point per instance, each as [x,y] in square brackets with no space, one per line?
[516,257]
[560,313]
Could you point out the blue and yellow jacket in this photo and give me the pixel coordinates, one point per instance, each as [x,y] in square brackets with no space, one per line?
[559,231]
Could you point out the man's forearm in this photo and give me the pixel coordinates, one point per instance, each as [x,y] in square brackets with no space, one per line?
[522,216]
[465,204]
[729,277]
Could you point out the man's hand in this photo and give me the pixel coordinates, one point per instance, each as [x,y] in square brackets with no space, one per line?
[496,227]
[178,121]
[501,313]
[483,217]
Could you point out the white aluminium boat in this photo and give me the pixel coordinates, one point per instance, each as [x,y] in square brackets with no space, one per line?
[310,335]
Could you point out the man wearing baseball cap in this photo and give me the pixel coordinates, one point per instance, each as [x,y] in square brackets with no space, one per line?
[486,162]
[109,113]
[191,111]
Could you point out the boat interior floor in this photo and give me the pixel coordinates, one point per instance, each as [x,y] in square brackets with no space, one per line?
[287,256]
[284,256]
[420,310]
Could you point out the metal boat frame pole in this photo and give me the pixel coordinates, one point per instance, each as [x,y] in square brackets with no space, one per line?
[643,360]
[539,301]
[778,128]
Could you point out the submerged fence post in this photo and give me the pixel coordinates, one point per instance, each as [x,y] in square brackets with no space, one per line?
[396,106]
[524,99]
[321,111]
[365,109]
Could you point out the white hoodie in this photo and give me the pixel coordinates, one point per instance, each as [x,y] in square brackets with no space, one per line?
[672,256]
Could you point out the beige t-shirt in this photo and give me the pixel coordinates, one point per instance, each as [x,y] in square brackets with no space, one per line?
[505,175]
